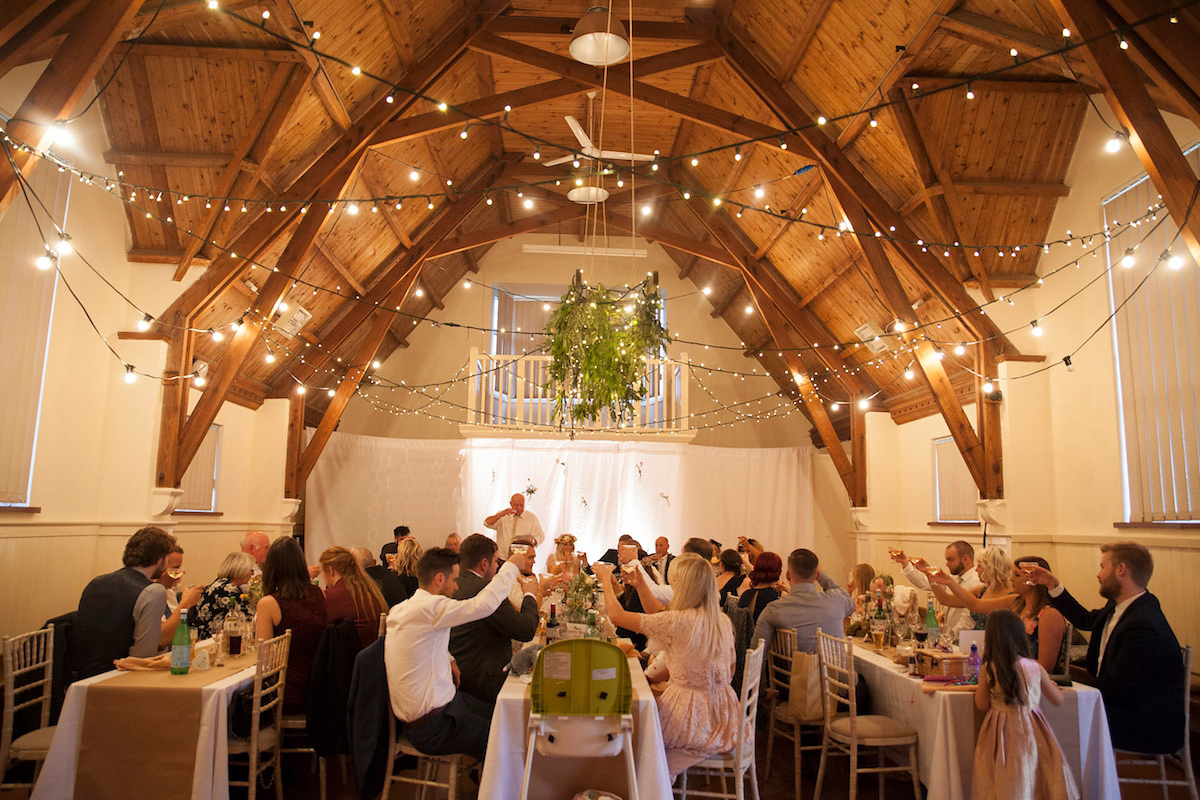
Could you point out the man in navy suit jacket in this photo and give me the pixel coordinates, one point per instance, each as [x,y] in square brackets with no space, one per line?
[1133,653]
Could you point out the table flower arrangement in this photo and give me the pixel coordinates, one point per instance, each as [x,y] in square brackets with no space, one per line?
[864,607]
[581,594]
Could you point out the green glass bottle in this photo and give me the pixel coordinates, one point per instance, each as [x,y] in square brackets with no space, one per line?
[181,647]
[591,631]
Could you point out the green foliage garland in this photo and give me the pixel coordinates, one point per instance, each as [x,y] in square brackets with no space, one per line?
[598,341]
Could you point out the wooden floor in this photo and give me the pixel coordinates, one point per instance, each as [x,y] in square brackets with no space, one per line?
[300,781]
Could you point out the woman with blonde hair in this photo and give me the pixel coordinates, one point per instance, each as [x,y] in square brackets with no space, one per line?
[563,559]
[408,553]
[223,595]
[995,570]
[350,593]
[698,708]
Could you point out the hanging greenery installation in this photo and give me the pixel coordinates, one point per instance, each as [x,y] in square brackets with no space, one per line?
[598,341]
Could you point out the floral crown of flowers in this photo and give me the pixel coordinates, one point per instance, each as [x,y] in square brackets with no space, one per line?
[566,538]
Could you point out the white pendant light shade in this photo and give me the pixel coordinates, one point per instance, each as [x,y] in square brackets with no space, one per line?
[600,39]
[588,195]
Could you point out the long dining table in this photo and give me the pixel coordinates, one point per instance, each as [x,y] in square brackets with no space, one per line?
[947,721]
[557,778]
[144,735]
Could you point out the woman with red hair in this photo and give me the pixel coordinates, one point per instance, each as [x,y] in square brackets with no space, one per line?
[763,578]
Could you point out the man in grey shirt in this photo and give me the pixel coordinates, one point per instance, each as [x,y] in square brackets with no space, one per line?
[121,613]
[814,601]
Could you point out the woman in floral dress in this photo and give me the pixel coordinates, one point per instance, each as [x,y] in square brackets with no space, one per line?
[223,595]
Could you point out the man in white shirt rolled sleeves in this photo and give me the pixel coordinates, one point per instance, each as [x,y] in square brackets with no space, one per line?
[960,562]
[421,674]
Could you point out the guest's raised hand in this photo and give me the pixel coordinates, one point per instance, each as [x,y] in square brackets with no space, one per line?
[523,560]
[897,555]
[190,596]
[940,576]
[1035,573]
[603,570]
[921,565]
[530,584]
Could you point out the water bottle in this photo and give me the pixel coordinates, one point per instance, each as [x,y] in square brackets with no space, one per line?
[181,646]
[931,624]
[973,662]
[591,631]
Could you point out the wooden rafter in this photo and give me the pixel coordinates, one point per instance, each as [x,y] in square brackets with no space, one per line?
[293,26]
[932,171]
[399,273]
[1183,87]
[814,15]
[209,52]
[388,212]
[896,72]
[94,32]
[494,233]
[807,189]
[284,90]
[140,78]
[234,355]
[1172,42]
[1138,115]
[340,268]
[816,144]
[347,148]
[30,26]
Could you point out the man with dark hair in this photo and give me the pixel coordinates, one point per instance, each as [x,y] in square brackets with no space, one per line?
[121,613]
[421,673]
[804,608]
[1133,653]
[655,596]
[483,648]
[171,575]
[960,562]
[400,533]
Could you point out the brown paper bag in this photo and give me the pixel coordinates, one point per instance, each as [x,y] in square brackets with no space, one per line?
[804,688]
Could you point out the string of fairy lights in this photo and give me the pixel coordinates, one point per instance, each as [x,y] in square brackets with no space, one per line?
[903,339]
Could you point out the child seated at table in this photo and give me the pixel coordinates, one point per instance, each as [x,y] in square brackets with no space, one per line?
[1016,755]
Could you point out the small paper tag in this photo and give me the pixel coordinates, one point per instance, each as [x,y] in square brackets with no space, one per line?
[556,666]
[604,674]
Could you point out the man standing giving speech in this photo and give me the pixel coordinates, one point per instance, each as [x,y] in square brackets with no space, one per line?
[513,522]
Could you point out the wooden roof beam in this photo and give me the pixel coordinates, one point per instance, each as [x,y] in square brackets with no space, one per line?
[283,92]
[814,15]
[293,28]
[554,27]
[210,52]
[348,148]
[494,233]
[896,71]
[146,158]
[816,143]
[765,275]
[30,27]
[1136,112]
[942,205]
[722,305]
[399,273]
[811,185]
[677,241]
[1183,88]
[168,16]
[1000,84]
[388,212]
[324,249]
[1170,42]
[96,29]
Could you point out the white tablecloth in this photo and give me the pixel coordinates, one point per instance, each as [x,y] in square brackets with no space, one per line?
[210,778]
[946,727]
[558,778]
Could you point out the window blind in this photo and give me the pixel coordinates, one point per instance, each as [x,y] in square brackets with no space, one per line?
[1156,337]
[955,492]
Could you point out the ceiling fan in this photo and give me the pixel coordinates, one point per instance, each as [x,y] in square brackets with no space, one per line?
[589,150]
[592,194]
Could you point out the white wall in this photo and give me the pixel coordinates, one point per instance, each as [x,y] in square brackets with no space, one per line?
[94,463]
[1062,462]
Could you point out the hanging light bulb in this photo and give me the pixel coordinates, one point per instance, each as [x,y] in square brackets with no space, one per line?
[1127,259]
[270,357]
[301,388]
[45,261]
[537,154]
[130,375]
[970,92]
[216,334]
[465,132]
[988,387]
[1036,328]
[1175,262]
[63,245]
[198,380]
[909,374]
[144,323]
[864,404]
[960,349]
[1118,139]
[834,406]
[1067,361]
[737,154]
[898,326]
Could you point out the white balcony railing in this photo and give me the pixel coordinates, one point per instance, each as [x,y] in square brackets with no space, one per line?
[506,391]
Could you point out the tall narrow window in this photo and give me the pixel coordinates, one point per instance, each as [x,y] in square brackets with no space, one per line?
[26,308]
[1155,294]
[954,491]
[199,483]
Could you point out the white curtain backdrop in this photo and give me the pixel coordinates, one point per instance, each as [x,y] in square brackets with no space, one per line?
[363,486]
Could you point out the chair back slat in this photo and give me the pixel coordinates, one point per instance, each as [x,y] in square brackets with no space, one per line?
[779,662]
[837,675]
[383,623]
[28,679]
[751,686]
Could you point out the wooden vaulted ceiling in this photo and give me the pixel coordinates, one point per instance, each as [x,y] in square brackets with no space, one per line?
[229,103]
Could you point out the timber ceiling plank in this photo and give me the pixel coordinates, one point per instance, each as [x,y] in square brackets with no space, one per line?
[94,32]
[29,26]
[347,149]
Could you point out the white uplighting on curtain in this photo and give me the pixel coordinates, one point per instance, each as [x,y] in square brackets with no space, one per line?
[597,490]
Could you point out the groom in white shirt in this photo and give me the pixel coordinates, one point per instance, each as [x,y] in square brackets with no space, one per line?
[421,674]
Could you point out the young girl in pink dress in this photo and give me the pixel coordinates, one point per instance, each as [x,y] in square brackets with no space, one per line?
[1016,755]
